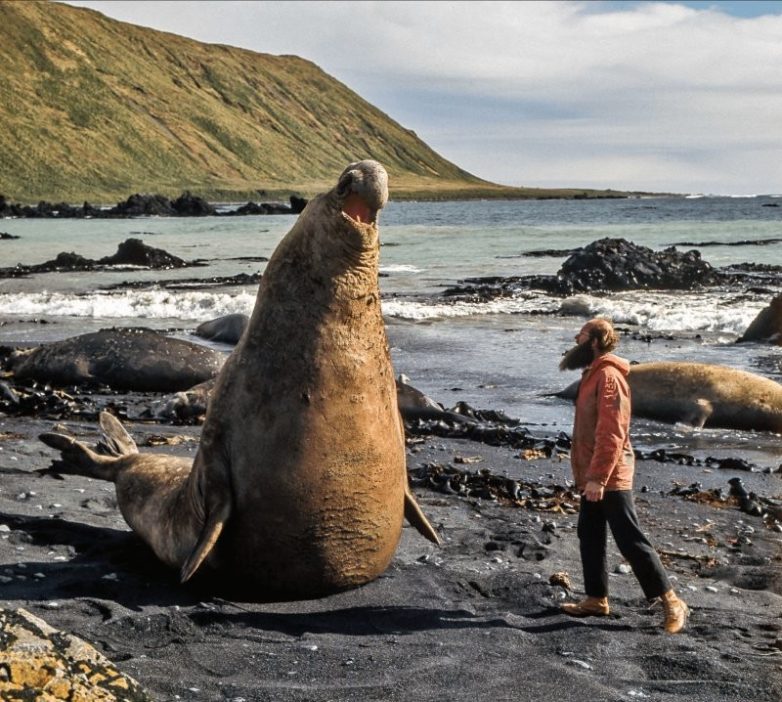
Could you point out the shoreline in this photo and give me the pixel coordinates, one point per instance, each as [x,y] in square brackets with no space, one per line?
[477,619]
[280,196]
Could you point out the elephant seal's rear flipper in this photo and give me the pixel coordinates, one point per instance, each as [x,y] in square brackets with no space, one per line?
[115,440]
[415,517]
[79,459]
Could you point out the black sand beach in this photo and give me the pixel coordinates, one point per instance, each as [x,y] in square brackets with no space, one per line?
[474,620]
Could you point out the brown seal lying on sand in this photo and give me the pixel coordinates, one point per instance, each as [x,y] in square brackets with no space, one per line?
[299,486]
[702,394]
[125,359]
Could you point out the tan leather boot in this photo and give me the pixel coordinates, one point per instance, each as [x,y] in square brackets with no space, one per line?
[676,612]
[588,607]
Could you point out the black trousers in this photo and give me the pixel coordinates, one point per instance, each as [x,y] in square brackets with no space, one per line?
[617,510]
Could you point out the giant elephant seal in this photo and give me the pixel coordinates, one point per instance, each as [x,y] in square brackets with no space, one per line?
[135,359]
[702,394]
[299,486]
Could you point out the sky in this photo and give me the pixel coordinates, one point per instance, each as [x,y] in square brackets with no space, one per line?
[679,97]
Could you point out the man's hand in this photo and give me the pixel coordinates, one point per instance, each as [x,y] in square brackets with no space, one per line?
[593,491]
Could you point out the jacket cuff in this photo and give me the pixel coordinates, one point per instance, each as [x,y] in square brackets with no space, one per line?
[602,479]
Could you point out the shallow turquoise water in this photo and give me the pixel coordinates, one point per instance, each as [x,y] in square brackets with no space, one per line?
[501,355]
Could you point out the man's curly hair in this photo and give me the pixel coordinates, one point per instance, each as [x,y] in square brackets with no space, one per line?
[603,331]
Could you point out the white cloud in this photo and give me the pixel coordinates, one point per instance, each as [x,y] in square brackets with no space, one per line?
[655,96]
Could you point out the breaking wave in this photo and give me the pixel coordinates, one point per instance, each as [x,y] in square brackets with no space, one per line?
[652,310]
[147,304]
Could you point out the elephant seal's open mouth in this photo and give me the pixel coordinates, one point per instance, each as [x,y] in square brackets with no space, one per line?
[358,210]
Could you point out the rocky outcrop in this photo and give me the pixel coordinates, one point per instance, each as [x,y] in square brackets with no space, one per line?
[46,209]
[264,208]
[131,252]
[41,663]
[138,205]
[607,265]
[618,264]
[135,252]
[298,204]
[186,205]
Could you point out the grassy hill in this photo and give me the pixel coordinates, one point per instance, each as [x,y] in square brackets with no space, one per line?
[92,108]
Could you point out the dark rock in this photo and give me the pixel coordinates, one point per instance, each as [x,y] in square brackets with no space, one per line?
[6,236]
[67,262]
[89,211]
[145,205]
[139,205]
[617,264]
[188,205]
[136,253]
[130,252]
[552,253]
[297,204]
[189,283]
[742,242]
[493,287]
[250,208]
[270,208]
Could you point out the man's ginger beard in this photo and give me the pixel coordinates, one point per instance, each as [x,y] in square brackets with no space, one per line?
[580,356]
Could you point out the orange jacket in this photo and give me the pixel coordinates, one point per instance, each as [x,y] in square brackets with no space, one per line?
[601,448]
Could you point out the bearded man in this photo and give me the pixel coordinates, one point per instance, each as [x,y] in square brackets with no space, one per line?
[603,465]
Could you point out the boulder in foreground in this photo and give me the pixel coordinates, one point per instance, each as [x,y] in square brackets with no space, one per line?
[41,663]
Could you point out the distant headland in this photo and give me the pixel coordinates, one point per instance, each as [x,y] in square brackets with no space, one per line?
[94,109]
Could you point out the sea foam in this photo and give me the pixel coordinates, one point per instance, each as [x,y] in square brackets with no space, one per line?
[147,304]
[665,311]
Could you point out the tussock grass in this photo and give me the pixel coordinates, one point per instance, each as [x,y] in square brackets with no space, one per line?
[92,108]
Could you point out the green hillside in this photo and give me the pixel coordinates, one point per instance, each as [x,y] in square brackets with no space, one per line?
[92,108]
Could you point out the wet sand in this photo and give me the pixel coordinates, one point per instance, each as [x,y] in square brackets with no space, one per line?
[476,619]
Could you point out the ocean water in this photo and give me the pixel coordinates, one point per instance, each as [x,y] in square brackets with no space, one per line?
[499,355]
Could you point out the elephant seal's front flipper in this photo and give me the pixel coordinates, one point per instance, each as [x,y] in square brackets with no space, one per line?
[210,497]
[415,517]
[701,411]
[206,541]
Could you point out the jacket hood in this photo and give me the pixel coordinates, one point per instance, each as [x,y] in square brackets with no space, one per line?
[609,359]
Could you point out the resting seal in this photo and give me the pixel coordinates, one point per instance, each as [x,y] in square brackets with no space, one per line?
[767,326]
[227,329]
[124,359]
[702,394]
[299,486]
[412,404]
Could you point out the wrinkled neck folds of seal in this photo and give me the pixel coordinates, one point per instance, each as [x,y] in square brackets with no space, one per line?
[330,256]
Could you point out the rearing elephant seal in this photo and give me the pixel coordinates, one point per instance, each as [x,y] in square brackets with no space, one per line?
[299,486]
